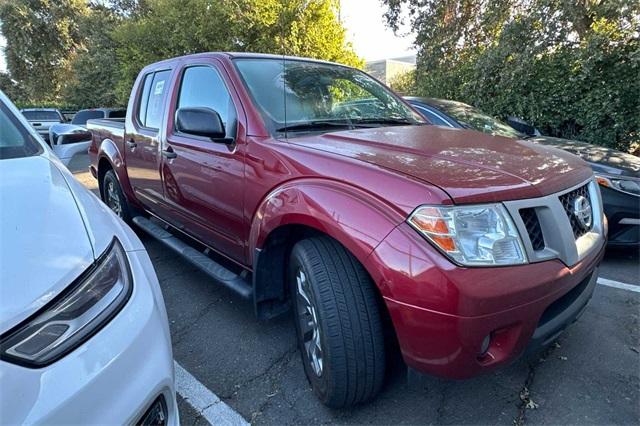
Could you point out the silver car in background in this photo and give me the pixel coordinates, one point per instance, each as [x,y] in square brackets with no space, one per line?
[41,119]
[69,139]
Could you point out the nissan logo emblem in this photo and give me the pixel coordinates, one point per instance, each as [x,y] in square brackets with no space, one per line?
[582,211]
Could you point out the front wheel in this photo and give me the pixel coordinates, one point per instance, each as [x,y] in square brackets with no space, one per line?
[338,323]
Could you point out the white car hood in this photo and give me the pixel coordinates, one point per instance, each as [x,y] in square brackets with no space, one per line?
[44,244]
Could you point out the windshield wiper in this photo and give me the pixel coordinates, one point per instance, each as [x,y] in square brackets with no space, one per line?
[315,125]
[384,120]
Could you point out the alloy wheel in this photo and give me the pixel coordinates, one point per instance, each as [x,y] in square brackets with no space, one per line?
[308,321]
[113,199]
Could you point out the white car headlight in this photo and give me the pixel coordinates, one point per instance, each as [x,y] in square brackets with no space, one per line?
[626,185]
[74,315]
[481,235]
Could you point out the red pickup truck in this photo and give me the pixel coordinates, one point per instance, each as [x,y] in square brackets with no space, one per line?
[309,186]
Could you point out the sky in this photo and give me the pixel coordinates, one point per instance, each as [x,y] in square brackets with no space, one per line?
[366,30]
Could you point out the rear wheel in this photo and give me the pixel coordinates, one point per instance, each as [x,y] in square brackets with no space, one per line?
[113,196]
[338,323]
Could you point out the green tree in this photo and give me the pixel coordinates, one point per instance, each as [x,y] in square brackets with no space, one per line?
[10,87]
[569,67]
[168,28]
[42,37]
[94,73]
[404,83]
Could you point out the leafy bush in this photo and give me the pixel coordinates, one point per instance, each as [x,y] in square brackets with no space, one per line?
[571,69]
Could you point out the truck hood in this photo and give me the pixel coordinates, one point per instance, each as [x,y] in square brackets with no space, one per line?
[44,244]
[602,159]
[470,166]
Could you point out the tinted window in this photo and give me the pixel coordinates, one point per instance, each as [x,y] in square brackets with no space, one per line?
[144,98]
[433,118]
[203,87]
[118,113]
[41,115]
[159,86]
[474,119]
[82,116]
[15,140]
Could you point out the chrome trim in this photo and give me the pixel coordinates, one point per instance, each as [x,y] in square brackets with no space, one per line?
[560,242]
[629,221]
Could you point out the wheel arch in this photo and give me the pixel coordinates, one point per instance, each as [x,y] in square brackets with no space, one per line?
[353,218]
[110,158]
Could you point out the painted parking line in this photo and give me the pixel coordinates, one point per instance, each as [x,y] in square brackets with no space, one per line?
[618,284]
[205,402]
[208,405]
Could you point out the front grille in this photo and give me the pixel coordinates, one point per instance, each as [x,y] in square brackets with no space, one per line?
[531,222]
[567,201]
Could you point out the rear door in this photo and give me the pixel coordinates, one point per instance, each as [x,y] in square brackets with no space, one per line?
[142,139]
[203,179]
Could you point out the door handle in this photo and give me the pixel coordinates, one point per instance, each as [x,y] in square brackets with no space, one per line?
[131,143]
[169,153]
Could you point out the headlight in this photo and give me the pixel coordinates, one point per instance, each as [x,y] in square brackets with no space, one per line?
[74,315]
[482,235]
[628,186]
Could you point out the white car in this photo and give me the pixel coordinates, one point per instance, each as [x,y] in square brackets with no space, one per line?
[84,336]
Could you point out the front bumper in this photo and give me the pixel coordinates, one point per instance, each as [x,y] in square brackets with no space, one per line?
[113,378]
[623,212]
[443,314]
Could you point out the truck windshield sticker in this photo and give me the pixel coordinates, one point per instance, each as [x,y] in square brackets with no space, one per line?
[159,87]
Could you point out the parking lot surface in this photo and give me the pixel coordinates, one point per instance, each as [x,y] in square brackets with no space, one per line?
[591,375]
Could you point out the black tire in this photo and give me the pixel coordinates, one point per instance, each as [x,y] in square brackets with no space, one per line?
[114,198]
[348,319]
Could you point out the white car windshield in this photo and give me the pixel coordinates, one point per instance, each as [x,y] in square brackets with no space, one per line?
[15,139]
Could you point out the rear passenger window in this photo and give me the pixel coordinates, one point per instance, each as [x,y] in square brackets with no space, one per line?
[202,86]
[144,98]
[159,85]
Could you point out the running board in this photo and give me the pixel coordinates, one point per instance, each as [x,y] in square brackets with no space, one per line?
[203,262]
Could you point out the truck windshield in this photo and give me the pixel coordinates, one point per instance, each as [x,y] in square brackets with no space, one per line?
[304,96]
[15,140]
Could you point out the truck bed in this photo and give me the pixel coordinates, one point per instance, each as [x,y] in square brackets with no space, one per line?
[101,129]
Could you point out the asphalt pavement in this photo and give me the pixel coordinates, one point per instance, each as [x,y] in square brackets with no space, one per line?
[590,376]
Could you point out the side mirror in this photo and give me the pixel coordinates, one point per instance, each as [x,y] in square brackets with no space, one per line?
[522,126]
[64,134]
[201,121]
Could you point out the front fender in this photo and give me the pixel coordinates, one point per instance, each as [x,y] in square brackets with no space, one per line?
[357,219]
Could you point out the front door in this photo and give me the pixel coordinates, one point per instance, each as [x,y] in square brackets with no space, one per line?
[203,179]
[141,141]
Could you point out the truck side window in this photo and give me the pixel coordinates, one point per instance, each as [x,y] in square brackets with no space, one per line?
[202,86]
[144,98]
[154,105]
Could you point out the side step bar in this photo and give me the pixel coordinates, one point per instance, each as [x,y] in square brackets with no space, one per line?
[216,271]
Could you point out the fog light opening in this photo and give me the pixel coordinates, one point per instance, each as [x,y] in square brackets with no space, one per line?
[156,415]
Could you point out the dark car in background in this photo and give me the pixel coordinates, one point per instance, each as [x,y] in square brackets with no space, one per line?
[41,119]
[81,117]
[618,173]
